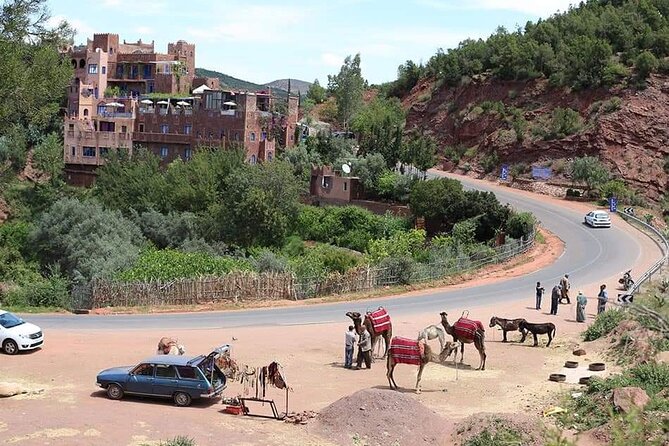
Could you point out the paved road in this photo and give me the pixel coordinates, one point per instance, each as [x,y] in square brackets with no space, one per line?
[590,256]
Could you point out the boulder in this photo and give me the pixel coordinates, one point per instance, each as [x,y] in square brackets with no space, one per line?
[627,398]
[579,352]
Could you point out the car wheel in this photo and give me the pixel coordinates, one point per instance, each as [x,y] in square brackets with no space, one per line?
[10,347]
[114,392]
[182,399]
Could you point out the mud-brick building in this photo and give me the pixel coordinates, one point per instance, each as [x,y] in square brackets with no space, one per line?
[126,95]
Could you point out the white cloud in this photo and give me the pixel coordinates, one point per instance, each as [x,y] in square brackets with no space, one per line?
[253,23]
[332,60]
[145,30]
[542,8]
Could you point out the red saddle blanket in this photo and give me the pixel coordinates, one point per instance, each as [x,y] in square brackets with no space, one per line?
[466,328]
[406,351]
[380,320]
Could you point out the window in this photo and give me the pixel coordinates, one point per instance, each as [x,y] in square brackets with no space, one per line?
[71,127]
[253,159]
[222,134]
[188,129]
[85,112]
[213,100]
[104,70]
[327,182]
[93,68]
[104,151]
[111,50]
[270,155]
[236,136]
[263,136]
[74,151]
[89,152]
[165,371]
[186,372]
[164,128]
[164,151]
[252,137]
[188,153]
[141,128]
[143,370]
[147,71]
[345,185]
[124,129]
[211,135]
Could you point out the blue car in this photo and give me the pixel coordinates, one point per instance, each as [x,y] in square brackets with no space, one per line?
[181,378]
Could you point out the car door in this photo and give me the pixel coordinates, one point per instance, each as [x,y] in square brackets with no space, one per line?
[165,381]
[140,380]
[588,218]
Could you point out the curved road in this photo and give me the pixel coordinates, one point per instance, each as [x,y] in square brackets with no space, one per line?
[590,256]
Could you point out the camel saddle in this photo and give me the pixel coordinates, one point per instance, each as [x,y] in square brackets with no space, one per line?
[406,351]
[380,320]
[465,329]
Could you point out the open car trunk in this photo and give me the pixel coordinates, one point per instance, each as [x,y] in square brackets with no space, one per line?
[208,366]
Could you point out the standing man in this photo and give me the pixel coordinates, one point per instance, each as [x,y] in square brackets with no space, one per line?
[364,349]
[581,302]
[555,299]
[350,344]
[564,284]
[602,299]
[540,294]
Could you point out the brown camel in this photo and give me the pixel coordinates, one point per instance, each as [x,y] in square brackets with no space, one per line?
[426,357]
[479,341]
[358,322]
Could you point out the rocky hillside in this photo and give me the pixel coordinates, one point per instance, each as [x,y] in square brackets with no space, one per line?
[487,122]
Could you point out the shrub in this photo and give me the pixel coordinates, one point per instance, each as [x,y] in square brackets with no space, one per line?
[520,225]
[604,324]
[269,262]
[518,169]
[400,244]
[179,441]
[489,162]
[402,267]
[612,105]
[564,122]
[51,292]
[455,153]
[615,188]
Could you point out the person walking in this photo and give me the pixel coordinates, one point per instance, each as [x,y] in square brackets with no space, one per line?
[555,299]
[602,299]
[539,295]
[564,287]
[581,302]
[350,344]
[364,349]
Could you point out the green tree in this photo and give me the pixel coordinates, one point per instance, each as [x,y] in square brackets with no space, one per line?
[520,224]
[379,126]
[590,171]
[317,93]
[48,157]
[261,205]
[347,88]
[85,240]
[645,64]
[420,151]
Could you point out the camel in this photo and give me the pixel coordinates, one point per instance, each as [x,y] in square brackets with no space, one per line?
[426,356]
[357,322]
[170,346]
[433,332]
[479,340]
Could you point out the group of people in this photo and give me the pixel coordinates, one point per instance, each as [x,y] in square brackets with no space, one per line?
[560,295]
[364,341]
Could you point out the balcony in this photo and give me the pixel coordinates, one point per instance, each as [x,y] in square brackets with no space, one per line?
[116,115]
[173,138]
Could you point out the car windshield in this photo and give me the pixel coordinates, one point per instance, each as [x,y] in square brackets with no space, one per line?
[8,320]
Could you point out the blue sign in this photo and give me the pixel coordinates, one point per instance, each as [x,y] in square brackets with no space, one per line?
[505,172]
[613,204]
[542,173]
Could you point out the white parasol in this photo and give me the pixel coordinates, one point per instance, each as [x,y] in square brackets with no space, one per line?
[114,104]
[163,103]
[146,101]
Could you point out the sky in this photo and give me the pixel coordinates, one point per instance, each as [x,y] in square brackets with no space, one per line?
[264,40]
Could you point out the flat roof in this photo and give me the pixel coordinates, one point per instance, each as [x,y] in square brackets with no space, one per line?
[171,359]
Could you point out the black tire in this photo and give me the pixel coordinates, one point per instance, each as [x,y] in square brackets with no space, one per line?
[182,399]
[10,347]
[114,392]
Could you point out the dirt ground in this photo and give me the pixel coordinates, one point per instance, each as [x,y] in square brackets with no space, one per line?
[66,408]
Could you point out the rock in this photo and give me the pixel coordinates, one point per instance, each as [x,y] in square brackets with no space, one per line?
[663,357]
[579,352]
[626,398]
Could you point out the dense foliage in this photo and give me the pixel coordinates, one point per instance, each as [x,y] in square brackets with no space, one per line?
[578,48]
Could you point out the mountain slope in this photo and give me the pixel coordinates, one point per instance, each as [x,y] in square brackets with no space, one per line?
[296,85]
[229,81]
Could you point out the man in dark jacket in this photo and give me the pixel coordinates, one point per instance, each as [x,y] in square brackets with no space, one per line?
[555,299]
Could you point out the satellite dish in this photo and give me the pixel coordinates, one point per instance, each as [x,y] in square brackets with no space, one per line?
[346,168]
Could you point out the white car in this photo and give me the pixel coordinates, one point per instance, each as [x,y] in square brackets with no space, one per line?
[598,219]
[17,334]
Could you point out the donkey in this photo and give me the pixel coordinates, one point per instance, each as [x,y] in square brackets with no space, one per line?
[547,328]
[507,325]
[433,332]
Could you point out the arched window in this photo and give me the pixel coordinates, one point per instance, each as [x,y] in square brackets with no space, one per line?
[85,112]
[74,63]
[253,159]
[82,63]
[253,136]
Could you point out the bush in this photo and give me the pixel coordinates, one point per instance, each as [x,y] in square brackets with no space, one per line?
[51,292]
[490,162]
[520,225]
[518,169]
[179,441]
[400,244]
[612,105]
[615,188]
[564,122]
[604,324]
[270,262]
[402,268]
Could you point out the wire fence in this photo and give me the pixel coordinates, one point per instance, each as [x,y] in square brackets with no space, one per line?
[250,286]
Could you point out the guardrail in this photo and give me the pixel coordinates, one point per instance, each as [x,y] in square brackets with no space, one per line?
[664,245]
